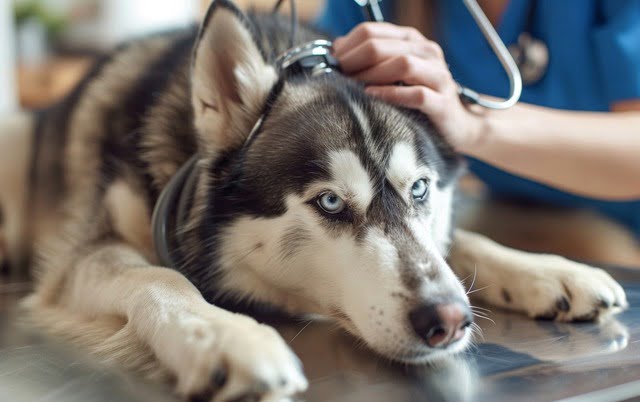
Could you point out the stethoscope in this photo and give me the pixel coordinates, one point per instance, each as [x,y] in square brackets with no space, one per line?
[531,53]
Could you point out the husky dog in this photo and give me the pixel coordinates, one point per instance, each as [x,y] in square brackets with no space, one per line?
[339,205]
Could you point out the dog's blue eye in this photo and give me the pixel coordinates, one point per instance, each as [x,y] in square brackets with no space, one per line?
[419,189]
[331,203]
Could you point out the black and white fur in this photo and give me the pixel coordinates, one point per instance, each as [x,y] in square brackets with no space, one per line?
[78,183]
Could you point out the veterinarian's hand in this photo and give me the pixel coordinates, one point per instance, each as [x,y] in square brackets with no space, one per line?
[381,54]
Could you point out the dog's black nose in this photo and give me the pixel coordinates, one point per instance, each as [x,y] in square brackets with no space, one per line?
[440,324]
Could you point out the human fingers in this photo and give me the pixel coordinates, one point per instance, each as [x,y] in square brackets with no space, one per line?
[416,97]
[410,70]
[370,30]
[377,50]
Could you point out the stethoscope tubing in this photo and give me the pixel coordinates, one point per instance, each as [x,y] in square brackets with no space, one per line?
[502,53]
[373,12]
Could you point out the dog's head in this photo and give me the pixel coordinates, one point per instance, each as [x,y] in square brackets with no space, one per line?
[340,204]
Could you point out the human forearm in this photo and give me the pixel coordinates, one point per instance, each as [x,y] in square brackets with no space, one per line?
[591,154]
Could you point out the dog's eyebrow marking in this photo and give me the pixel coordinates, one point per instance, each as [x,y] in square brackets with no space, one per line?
[402,167]
[361,118]
[351,178]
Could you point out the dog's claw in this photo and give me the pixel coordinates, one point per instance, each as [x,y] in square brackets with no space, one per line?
[563,304]
[604,303]
[219,377]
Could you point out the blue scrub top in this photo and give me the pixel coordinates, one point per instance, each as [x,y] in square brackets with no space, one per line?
[594,49]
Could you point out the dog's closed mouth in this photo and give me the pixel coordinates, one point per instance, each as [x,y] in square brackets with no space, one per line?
[408,353]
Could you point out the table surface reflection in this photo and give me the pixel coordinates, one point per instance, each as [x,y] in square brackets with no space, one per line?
[514,359]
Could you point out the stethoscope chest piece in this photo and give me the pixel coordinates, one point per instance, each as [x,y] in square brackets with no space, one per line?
[531,56]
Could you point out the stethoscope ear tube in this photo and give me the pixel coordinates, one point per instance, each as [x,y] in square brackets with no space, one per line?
[162,226]
[372,11]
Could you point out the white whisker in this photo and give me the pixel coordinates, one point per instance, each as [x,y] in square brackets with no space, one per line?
[465,278]
[477,290]
[299,332]
[478,308]
[484,317]
[475,271]
[476,330]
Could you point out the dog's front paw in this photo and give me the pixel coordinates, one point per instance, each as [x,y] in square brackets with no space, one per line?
[563,290]
[233,359]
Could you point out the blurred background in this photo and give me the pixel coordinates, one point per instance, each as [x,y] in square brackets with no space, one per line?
[47,45]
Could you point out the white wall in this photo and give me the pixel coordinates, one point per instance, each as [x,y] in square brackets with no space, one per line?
[119,20]
[8,94]
[124,19]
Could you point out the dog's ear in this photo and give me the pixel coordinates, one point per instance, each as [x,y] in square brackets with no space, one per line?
[230,78]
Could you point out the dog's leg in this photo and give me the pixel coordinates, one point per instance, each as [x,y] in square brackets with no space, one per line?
[214,354]
[540,285]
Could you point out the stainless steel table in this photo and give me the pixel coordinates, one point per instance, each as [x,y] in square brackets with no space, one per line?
[516,359]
